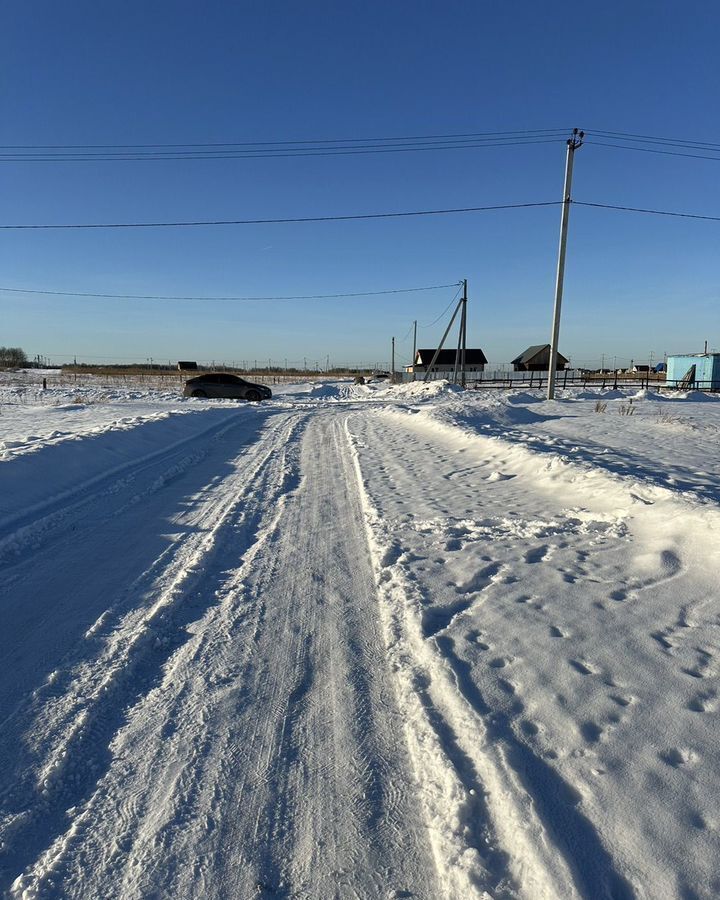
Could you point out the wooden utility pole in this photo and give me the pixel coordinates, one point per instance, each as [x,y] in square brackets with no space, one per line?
[392,364]
[573,144]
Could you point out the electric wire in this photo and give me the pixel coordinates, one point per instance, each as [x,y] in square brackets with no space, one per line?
[268,154]
[89,294]
[647,138]
[283,221]
[411,137]
[407,333]
[652,150]
[653,212]
[447,308]
[350,218]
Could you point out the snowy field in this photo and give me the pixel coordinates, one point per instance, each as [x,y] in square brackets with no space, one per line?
[359,642]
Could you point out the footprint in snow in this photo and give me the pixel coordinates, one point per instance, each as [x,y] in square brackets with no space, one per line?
[537,554]
[703,701]
[677,757]
[499,662]
[476,638]
[528,728]
[581,667]
[591,732]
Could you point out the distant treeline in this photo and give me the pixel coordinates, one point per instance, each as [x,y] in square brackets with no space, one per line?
[165,369]
[12,357]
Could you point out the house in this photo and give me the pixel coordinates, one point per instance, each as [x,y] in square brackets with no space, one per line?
[187,365]
[444,366]
[537,359]
[694,370]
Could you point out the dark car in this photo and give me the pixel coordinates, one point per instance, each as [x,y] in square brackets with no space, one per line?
[225,386]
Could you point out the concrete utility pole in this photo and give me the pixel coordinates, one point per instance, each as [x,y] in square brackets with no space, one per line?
[414,347]
[573,144]
[460,352]
[442,341]
[392,364]
[463,333]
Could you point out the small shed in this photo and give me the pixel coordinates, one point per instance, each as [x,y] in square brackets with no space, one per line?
[537,359]
[694,370]
[475,361]
[187,365]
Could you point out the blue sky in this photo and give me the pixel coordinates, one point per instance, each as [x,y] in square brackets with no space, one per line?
[166,72]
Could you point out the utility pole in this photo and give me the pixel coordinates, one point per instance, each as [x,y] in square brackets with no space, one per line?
[463,332]
[414,347]
[458,351]
[442,341]
[392,364]
[574,143]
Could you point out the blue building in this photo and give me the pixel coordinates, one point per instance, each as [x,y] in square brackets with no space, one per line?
[694,370]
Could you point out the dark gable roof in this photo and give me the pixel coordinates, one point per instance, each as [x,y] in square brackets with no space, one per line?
[532,352]
[473,357]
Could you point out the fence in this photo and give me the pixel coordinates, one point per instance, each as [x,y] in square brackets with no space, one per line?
[573,378]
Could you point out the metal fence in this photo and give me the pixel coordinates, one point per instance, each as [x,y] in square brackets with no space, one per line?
[572,378]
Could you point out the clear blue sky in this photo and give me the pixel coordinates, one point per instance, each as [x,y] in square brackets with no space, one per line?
[164,72]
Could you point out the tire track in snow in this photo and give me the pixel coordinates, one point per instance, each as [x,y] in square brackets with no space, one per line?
[28,528]
[266,760]
[76,716]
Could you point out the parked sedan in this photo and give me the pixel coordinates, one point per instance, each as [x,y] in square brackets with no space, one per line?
[225,386]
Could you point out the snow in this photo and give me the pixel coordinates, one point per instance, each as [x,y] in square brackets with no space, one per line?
[360,640]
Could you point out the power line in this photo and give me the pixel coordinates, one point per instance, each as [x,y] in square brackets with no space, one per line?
[277,153]
[653,212]
[435,321]
[409,331]
[406,137]
[434,287]
[653,150]
[343,218]
[655,139]
[285,221]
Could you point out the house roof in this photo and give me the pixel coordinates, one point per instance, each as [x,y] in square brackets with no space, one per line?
[532,352]
[473,357]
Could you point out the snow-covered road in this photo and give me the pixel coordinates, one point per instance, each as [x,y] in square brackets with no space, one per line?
[341,646]
[228,723]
